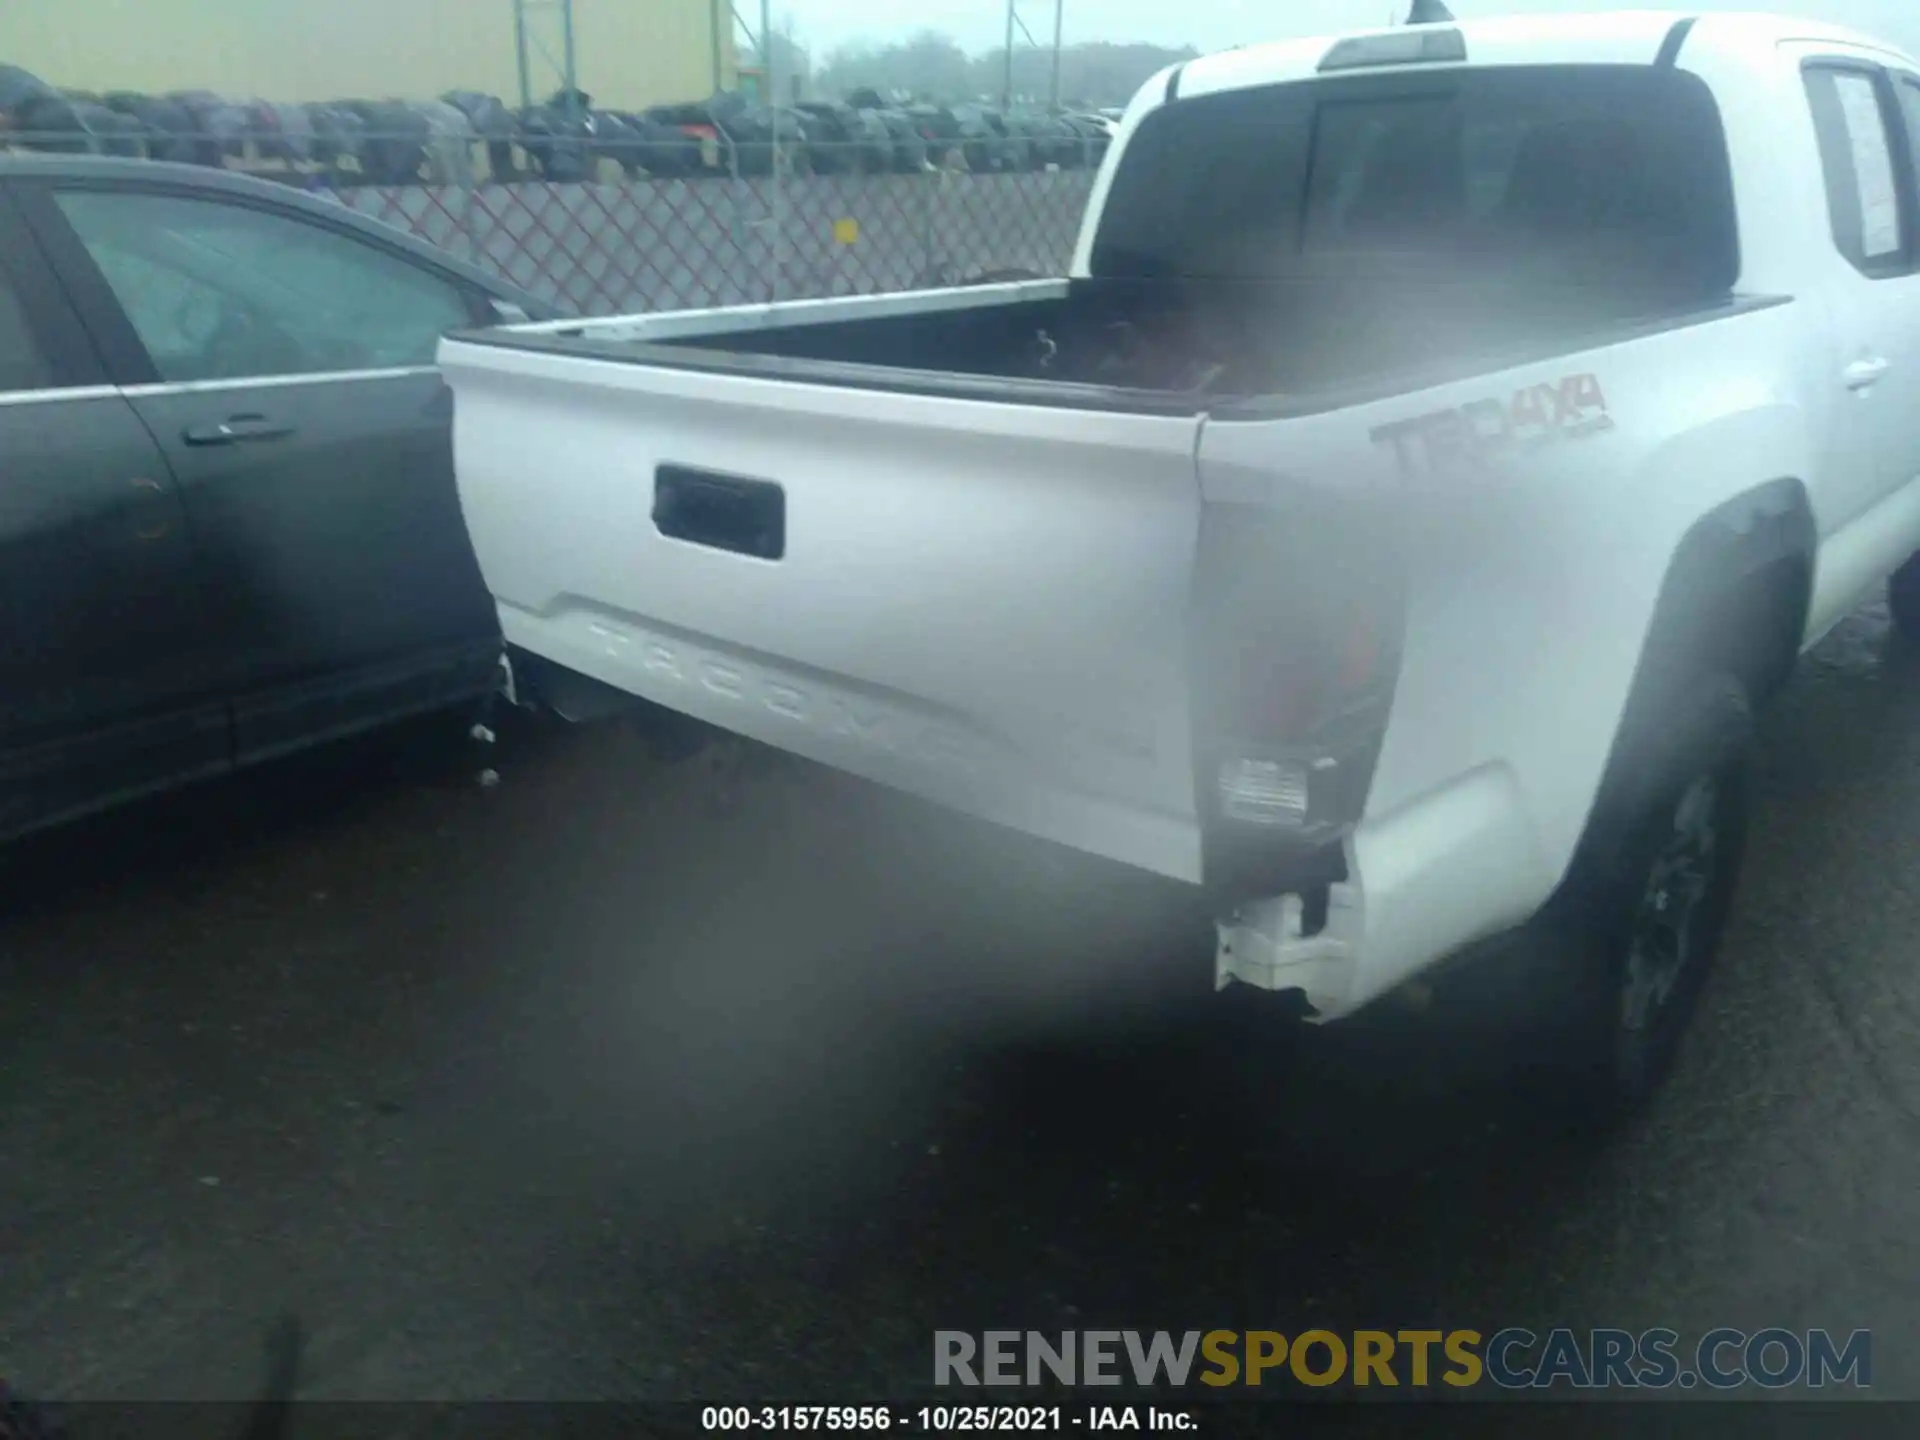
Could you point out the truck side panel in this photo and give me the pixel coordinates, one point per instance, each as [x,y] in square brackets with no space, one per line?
[1541,509]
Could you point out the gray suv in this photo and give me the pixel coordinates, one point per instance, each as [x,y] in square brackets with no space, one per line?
[228,522]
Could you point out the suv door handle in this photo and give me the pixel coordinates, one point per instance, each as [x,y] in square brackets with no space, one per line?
[236,428]
[1863,373]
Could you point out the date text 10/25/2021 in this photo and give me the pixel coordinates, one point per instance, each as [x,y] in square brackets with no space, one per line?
[942,1419]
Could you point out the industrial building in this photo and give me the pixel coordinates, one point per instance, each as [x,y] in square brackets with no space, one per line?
[627,54]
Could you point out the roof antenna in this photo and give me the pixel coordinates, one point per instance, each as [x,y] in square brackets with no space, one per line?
[1429,12]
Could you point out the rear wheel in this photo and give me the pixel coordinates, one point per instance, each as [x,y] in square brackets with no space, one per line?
[1641,918]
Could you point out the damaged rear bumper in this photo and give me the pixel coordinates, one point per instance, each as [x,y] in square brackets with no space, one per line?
[1455,867]
[1265,944]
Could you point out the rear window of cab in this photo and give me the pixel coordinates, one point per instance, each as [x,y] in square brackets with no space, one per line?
[1613,172]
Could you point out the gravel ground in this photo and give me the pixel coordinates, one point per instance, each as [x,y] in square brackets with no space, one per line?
[643,1076]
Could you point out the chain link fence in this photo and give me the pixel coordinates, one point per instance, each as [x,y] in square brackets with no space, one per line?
[643,244]
[823,221]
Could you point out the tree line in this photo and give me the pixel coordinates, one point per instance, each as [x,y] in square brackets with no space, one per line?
[931,66]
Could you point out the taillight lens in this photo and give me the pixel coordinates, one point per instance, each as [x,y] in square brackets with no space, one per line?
[1297,620]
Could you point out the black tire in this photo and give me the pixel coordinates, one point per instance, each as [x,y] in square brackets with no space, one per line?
[1638,923]
[1903,597]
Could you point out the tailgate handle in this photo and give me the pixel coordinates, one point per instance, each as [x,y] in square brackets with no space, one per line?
[721,512]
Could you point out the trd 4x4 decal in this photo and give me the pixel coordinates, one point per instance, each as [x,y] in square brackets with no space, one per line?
[1481,429]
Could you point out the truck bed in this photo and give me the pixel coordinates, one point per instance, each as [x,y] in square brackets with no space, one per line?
[980,601]
[1167,347]
[963,541]
[973,586]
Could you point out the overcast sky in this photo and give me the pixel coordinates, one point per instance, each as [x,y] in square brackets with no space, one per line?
[1217,24]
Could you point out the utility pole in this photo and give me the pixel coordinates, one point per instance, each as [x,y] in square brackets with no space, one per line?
[1059,17]
[776,169]
[1006,82]
[520,50]
[772,97]
[534,22]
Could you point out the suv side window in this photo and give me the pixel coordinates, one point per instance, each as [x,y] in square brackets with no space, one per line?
[220,291]
[1856,153]
[23,365]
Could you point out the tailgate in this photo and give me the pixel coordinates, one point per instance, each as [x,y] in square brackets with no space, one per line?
[982,603]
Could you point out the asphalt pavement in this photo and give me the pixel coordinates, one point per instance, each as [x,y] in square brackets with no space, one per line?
[643,1074]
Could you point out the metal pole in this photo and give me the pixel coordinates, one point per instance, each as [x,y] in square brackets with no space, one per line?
[771,99]
[713,18]
[1006,87]
[927,181]
[572,81]
[520,44]
[469,229]
[1059,17]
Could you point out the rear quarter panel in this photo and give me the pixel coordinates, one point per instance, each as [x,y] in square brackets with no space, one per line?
[1535,573]
[1534,570]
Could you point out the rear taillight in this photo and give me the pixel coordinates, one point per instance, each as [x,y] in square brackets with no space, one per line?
[1297,620]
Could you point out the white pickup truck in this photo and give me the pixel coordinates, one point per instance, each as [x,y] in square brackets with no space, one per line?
[1445,440]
